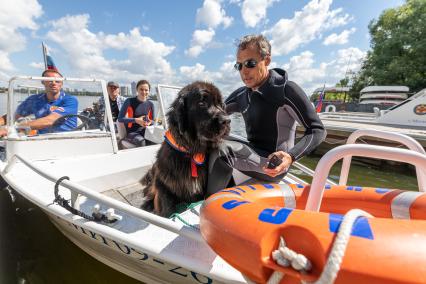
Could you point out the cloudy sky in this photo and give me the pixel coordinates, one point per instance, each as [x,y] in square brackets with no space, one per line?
[176,42]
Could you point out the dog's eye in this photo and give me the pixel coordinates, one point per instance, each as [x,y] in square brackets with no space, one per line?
[202,104]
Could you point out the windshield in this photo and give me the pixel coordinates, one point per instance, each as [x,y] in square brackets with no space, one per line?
[75,104]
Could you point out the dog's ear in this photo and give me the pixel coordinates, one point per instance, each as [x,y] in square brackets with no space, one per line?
[177,115]
[182,113]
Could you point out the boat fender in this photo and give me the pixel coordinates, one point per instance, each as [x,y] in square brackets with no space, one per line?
[102,217]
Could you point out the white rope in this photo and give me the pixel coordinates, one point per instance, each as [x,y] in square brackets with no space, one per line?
[285,256]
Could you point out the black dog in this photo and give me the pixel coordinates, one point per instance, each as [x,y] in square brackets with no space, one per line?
[197,124]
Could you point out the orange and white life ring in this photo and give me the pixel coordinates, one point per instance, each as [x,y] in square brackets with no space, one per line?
[244,224]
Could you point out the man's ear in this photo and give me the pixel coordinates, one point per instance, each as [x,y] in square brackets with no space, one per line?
[267,60]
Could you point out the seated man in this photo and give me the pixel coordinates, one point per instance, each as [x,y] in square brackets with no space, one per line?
[47,108]
[116,101]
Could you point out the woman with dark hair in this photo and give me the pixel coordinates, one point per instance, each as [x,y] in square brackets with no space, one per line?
[137,113]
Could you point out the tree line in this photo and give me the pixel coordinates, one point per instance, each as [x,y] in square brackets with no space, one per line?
[398,50]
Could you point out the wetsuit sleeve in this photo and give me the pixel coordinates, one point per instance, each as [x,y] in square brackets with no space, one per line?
[306,115]
[68,106]
[123,111]
[232,101]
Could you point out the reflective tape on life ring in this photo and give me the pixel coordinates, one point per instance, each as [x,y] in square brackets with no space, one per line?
[401,204]
[288,195]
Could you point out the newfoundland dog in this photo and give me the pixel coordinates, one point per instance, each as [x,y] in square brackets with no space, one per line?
[197,124]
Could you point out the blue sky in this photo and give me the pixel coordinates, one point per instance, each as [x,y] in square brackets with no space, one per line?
[176,42]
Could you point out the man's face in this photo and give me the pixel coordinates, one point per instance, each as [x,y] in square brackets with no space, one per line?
[113,92]
[52,87]
[253,77]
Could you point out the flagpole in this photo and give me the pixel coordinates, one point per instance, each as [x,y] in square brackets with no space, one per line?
[44,55]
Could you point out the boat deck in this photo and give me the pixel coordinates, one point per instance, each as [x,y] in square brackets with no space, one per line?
[131,194]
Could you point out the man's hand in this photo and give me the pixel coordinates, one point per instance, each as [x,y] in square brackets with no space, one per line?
[283,167]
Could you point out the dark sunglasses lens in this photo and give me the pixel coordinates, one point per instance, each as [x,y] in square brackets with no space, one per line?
[250,63]
[238,66]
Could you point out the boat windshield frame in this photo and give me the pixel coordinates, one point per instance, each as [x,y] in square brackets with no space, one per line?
[108,114]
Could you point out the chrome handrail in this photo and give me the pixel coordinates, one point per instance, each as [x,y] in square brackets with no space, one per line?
[407,141]
[380,152]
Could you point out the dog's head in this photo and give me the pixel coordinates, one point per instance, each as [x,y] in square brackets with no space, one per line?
[197,118]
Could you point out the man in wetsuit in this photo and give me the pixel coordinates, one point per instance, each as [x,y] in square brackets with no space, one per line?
[270,105]
[47,108]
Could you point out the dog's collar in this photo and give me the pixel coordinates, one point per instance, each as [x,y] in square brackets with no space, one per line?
[197,159]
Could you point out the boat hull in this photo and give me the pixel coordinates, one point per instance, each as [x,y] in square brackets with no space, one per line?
[124,258]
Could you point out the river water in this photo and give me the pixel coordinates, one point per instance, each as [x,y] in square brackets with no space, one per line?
[32,250]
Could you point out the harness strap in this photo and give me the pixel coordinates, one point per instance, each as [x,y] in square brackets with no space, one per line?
[197,159]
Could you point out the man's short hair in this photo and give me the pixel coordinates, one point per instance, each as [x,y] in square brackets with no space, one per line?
[113,84]
[52,71]
[258,41]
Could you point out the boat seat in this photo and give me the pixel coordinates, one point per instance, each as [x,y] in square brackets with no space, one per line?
[153,133]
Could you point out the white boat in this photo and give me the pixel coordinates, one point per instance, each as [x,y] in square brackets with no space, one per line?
[101,178]
[407,118]
[98,180]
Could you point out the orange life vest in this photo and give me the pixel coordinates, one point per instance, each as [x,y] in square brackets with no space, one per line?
[197,159]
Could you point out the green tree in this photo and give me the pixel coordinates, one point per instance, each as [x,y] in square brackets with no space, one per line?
[398,49]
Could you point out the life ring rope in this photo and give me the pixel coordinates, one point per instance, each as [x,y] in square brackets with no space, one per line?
[286,257]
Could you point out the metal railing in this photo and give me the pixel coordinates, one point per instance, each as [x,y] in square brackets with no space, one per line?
[75,188]
[407,141]
[380,152]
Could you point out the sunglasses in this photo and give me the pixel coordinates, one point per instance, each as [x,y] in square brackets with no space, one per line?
[249,63]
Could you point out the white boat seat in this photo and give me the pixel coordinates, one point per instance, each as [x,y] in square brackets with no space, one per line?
[153,133]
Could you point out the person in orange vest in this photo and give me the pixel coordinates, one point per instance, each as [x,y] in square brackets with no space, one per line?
[137,113]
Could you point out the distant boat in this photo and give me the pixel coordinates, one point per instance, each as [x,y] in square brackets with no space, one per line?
[385,95]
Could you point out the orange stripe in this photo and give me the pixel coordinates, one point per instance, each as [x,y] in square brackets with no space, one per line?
[129,114]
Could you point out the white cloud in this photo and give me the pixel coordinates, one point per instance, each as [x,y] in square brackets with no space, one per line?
[200,39]
[37,65]
[212,15]
[302,70]
[226,79]
[253,11]
[15,15]
[341,38]
[306,25]
[85,50]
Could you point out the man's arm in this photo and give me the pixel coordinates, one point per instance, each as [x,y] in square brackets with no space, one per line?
[42,122]
[315,132]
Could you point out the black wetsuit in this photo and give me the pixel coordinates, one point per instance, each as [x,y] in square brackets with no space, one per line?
[270,114]
[133,107]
